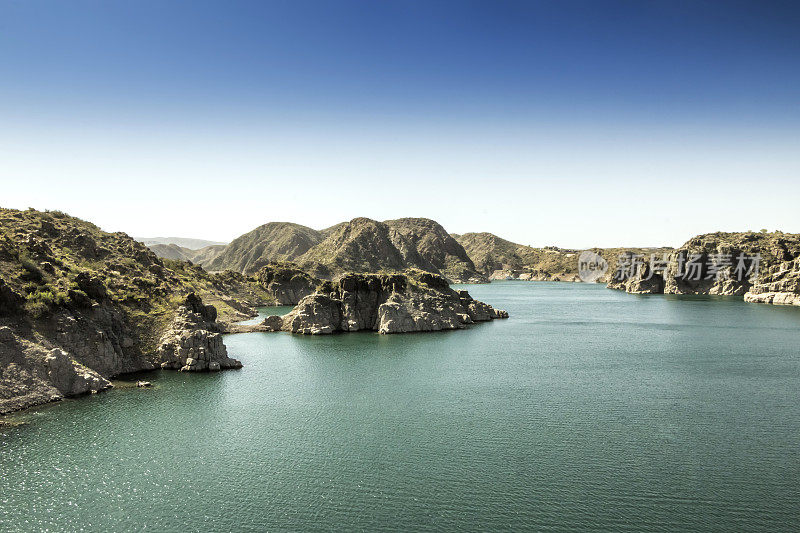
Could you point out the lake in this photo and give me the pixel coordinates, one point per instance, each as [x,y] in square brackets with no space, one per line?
[588,409]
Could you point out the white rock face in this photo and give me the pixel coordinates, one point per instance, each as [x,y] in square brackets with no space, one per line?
[779,285]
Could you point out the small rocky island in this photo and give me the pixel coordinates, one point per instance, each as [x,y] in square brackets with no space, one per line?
[386,303]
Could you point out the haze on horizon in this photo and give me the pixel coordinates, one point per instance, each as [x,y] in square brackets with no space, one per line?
[547,123]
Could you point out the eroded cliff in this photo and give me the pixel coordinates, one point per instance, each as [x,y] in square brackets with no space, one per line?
[758,266]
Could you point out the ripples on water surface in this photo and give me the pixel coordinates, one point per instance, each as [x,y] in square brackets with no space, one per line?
[589,409]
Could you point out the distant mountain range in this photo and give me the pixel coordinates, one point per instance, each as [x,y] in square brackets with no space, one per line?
[365,245]
[191,244]
[180,253]
[360,245]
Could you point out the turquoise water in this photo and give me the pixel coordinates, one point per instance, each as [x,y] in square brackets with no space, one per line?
[589,409]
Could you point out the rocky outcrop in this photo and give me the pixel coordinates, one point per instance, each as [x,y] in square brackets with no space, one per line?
[10,301]
[286,282]
[193,343]
[70,353]
[272,323]
[779,284]
[30,374]
[387,304]
[640,278]
[758,266]
[70,377]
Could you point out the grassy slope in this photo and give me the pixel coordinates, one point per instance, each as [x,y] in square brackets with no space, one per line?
[42,255]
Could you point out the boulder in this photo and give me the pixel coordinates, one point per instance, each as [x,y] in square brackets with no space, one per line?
[70,377]
[92,286]
[273,323]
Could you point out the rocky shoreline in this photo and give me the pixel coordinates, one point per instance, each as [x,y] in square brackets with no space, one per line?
[760,268]
[522,275]
[80,306]
[779,285]
[78,359]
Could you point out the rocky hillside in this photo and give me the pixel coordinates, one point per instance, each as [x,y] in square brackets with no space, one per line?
[397,303]
[360,245]
[427,246]
[276,241]
[365,245]
[724,264]
[502,259]
[489,252]
[172,251]
[205,255]
[286,282]
[79,306]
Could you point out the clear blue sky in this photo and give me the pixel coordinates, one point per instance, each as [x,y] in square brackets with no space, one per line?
[567,123]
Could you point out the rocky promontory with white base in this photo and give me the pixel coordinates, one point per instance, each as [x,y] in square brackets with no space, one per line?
[759,266]
[193,343]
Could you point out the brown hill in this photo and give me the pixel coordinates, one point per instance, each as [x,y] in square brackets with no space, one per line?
[360,245]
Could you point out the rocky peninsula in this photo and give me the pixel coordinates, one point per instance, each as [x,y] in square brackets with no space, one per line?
[758,266]
[80,306]
[415,301]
